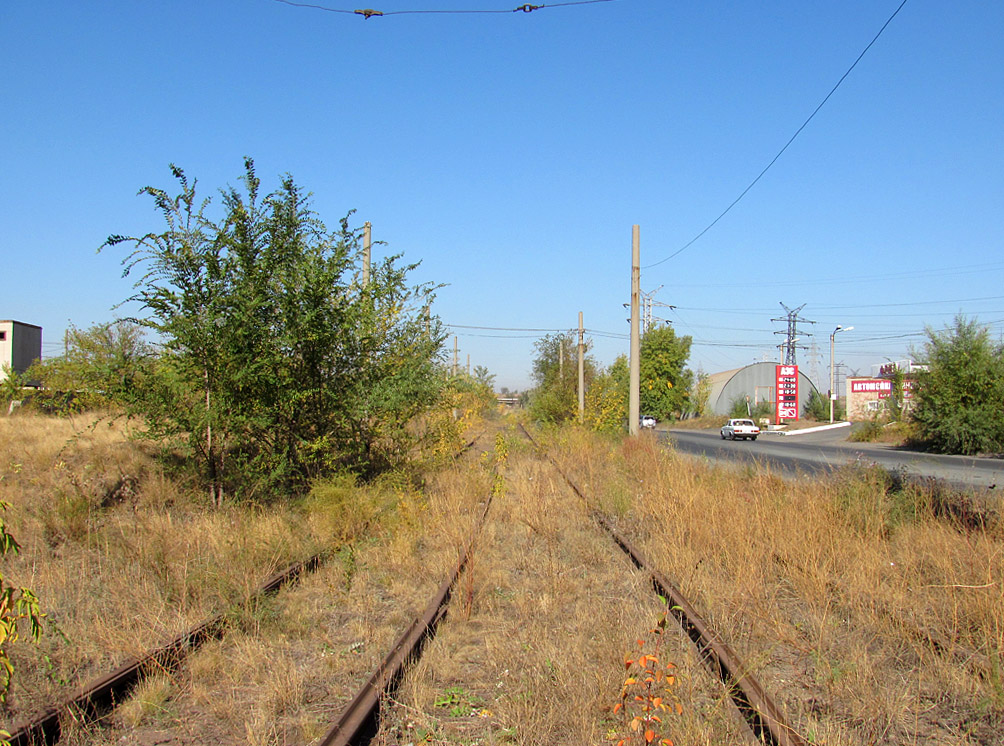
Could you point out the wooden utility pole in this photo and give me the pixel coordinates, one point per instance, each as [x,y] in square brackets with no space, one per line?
[561,358]
[367,246]
[582,372]
[455,356]
[468,364]
[634,413]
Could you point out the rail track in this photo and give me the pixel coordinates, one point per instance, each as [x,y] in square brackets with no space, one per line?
[759,711]
[359,721]
[98,697]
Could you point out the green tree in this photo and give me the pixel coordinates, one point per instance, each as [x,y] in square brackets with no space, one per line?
[107,364]
[665,381]
[700,394]
[607,398]
[959,399]
[817,407]
[555,370]
[483,376]
[277,365]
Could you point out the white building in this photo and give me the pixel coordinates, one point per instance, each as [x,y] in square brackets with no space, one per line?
[20,346]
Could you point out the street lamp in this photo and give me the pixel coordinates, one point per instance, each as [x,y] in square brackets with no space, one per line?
[832,395]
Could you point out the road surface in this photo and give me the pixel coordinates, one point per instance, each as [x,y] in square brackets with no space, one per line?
[814,452]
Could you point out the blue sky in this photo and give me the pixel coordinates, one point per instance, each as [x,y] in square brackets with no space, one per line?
[511,153]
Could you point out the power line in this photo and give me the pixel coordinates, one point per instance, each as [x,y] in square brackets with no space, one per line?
[858,279]
[786,145]
[503,328]
[370,13]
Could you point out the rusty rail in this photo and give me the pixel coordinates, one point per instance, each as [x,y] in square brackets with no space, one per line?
[99,696]
[359,721]
[758,709]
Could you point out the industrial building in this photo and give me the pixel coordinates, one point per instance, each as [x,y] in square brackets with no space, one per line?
[757,381]
[20,346]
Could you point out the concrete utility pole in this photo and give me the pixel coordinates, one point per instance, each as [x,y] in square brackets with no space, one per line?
[367,244]
[582,372]
[455,356]
[561,357]
[468,364]
[634,399]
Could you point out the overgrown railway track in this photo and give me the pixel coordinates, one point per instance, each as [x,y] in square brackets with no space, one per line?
[359,721]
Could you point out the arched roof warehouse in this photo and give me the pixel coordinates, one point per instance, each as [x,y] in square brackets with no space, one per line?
[757,381]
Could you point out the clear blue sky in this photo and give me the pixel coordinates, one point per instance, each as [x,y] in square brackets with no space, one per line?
[511,153]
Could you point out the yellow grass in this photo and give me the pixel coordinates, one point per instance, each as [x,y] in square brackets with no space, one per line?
[870,618]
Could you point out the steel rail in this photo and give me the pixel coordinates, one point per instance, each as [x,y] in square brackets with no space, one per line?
[757,707]
[359,721]
[101,695]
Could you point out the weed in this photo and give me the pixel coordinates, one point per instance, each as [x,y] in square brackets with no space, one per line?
[648,692]
[459,702]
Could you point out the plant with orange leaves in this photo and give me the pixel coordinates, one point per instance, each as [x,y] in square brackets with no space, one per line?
[647,695]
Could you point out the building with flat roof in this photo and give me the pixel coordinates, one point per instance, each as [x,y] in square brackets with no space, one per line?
[20,346]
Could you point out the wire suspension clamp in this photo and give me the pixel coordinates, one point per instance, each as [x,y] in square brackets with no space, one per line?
[369,13]
[527,8]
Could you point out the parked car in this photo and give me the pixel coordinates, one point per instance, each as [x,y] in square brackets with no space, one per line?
[648,421]
[740,429]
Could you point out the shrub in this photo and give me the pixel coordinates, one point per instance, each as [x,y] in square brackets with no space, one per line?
[959,399]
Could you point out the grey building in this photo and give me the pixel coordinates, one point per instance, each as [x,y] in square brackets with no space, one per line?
[20,346]
[757,381]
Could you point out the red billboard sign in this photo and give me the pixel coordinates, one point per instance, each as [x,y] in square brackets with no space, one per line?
[787,392]
[880,386]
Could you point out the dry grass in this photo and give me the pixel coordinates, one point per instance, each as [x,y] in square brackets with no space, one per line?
[121,557]
[537,656]
[871,618]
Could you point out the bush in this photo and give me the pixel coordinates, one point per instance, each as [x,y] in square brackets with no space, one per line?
[755,411]
[817,407]
[959,399]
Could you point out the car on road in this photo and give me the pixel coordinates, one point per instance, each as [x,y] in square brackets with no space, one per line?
[734,429]
[648,421]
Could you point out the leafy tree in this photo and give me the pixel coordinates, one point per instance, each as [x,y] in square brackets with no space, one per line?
[817,407]
[483,376]
[607,398]
[555,370]
[895,402]
[700,394]
[959,399]
[10,386]
[664,379]
[277,365]
[107,364]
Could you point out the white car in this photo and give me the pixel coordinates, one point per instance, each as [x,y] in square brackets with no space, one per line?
[744,429]
[648,421]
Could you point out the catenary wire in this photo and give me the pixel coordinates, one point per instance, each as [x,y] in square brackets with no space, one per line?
[370,13]
[786,145]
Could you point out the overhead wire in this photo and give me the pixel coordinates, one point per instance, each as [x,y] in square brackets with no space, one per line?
[774,160]
[371,13]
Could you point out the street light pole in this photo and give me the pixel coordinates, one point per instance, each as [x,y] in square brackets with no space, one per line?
[832,336]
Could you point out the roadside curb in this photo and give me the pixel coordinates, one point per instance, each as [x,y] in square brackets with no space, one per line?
[803,431]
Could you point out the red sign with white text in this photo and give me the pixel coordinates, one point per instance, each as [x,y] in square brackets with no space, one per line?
[786,379]
[880,386]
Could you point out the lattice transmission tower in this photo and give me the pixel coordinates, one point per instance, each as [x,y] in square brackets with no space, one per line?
[793,320]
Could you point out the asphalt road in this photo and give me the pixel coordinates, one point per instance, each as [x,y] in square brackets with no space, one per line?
[815,452]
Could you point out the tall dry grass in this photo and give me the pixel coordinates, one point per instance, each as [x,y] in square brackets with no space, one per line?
[121,556]
[288,664]
[871,615]
[536,654]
